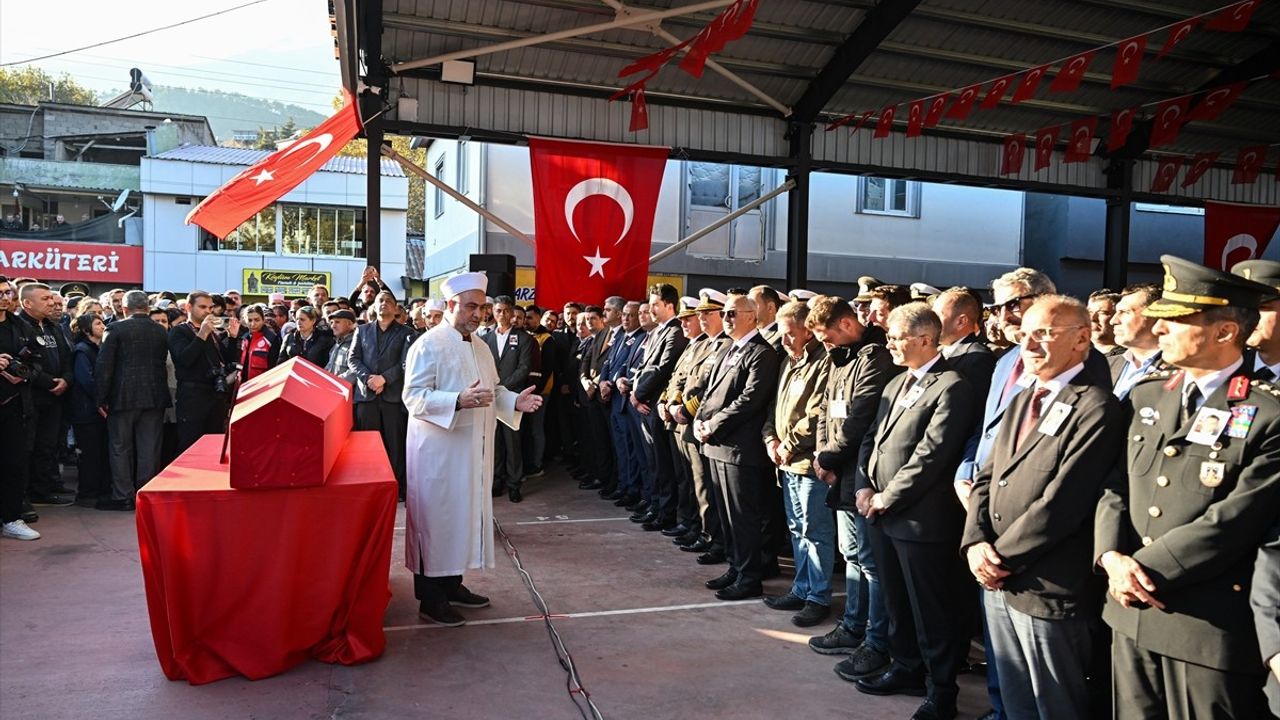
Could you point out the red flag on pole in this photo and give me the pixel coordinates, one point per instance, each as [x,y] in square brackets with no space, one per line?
[885,124]
[1030,82]
[593,209]
[1233,18]
[1177,34]
[915,118]
[996,93]
[1168,120]
[1166,173]
[1200,165]
[1071,73]
[1121,124]
[964,103]
[1216,102]
[1234,233]
[270,178]
[1128,61]
[1249,163]
[1080,143]
[1011,154]
[937,104]
[1046,138]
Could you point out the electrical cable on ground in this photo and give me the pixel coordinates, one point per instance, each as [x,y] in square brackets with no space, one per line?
[573,682]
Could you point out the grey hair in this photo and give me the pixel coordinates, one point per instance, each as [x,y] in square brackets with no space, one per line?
[617,302]
[1035,282]
[917,318]
[136,301]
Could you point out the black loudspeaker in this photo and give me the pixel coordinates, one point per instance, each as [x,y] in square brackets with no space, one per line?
[501,270]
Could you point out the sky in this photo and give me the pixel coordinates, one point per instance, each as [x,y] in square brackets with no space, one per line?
[278,49]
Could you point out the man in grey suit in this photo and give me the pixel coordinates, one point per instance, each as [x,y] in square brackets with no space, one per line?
[513,352]
[133,391]
[1030,521]
[662,352]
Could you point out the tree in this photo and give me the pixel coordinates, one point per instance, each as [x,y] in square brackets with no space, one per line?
[267,139]
[417,186]
[29,85]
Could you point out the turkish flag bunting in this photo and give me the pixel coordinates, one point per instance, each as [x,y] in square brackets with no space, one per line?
[1249,163]
[862,121]
[915,118]
[1177,34]
[1233,18]
[1029,84]
[1011,155]
[996,92]
[885,124]
[1080,142]
[593,209]
[1046,138]
[1128,61]
[963,105]
[1200,165]
[937,104]
[270,178]
[841,122]
[1121,124]
[639,111]
[1166,173]
[731,24]
[1235,233]
[1071,73]
[1216,102]
[1167,123]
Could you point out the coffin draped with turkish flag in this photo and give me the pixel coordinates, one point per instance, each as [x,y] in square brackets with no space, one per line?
[593,209]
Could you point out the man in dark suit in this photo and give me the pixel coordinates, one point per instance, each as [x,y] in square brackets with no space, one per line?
[1178,536]
[39,310]
[961,341]
[377,359]
[1265,339]
[662,351]
[730,423]
[513,354]
[618,360]
[1265,600]
[1027,539]
[1133,333]
[201,398]
[904,491]
[133,390]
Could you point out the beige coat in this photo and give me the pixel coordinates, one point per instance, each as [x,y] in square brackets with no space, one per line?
[794,417]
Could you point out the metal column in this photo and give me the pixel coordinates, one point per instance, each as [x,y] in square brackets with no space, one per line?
[1115,253]
[373,201]
[801,157]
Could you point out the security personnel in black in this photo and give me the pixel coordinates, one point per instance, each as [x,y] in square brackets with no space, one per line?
[20,374]
[201,372]
[1177,538]
[1265,340]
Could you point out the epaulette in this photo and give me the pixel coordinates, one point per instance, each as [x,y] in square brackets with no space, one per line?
[1267,387]
[692,404]
[1162,375]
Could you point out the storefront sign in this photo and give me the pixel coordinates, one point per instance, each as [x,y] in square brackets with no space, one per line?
[297,283]
[88,262]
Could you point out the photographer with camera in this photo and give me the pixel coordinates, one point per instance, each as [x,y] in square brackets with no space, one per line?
[204,378]
[17,429]
[53,358]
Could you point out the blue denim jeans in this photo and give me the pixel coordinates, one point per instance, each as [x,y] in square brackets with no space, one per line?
[864,607]
[813,536]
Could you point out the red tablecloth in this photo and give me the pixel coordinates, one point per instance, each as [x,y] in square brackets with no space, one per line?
[256,581]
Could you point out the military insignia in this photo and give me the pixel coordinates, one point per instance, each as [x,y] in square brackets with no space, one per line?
[40,339]
[1241,420]
[1208,425]
[1212,474]
[1174,381]
[1239,388]
[1052,422]
[1148,415]
[1170,284]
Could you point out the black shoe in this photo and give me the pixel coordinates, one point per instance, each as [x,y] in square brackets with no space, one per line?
[728,578]
[711,557]
[700,546]
[737,591]
[893,682]
[865,662]
[653,525]
[513,494]
[499,490]
[441,614]
[535,472]
[637,507]
[676,530]
[54,500]
[30,516]
[467,599]
[784,602]
[109,504]
[840,641]
[608,490]
[693,536]
[642,518]
[593,485]
[617,495]
[932,709]
[812,614]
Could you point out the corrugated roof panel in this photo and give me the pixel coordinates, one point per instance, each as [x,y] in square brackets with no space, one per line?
[245,156]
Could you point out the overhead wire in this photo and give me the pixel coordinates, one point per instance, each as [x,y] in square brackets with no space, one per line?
[169,69]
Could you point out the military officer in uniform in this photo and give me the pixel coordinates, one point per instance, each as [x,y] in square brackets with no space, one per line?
[1265,339]
[1177,538]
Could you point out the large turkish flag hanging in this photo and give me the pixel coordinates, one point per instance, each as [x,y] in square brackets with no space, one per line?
[270,178]
[1235,233]
[593,208]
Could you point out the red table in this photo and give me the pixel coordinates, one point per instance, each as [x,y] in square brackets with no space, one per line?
[253,582]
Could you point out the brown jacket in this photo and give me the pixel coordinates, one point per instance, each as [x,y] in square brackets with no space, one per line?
[793,419]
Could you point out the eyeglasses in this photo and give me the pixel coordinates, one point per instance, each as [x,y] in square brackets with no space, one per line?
[1049,334]
[729,314]
[1012,305]
[9,293]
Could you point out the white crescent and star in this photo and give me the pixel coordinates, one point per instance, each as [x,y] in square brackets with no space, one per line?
[597,263]
[262,177]
[321,141]
[1128,52]
[1243,241]
[1167,120]
[603,187]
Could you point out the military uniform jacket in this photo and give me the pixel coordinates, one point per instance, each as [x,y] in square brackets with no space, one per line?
[695,383]
[692,356]
[1194,515]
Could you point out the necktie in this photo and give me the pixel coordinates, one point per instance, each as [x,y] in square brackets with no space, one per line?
[1013,378]
[1190,403]
[1266,373]
[906,388]
[1032,418]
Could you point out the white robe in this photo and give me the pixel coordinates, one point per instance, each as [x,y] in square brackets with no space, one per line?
[449,469]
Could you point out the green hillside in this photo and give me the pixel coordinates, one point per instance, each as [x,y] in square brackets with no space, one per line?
[228,112]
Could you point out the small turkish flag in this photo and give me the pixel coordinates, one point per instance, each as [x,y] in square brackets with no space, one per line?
[1071,73]
[1080,143]
[996,93]
[1128,61]
[885,124]
[593,210]
[1177,34]
[1200,165]
[1249,165]
[1046,138]
[1011,154]
[1168,120]
[1166,172]
[1121,124]
[1030,83]
[937,104]
[639,111]
[1233,18]
[964,103]
[270,178]
[1234,233]
[915,118]
[862,121]
[1216,102]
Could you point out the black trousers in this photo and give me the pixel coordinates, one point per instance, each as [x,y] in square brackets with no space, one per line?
[601,443]
[686,503]
[435,590]
[200,411]
[17,435]
[508,467]
[93,474]
[1149,686]
[923,584]
[775,538]
[664,488]
[44,471]
[740,504]
[392,421]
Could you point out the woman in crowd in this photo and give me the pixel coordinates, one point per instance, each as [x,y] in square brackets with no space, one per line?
[308,340]
[259,346]
[88,306]
[89,424]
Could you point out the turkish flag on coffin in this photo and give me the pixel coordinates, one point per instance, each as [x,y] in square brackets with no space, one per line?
[276,174]
[593,208]
[1235,233]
